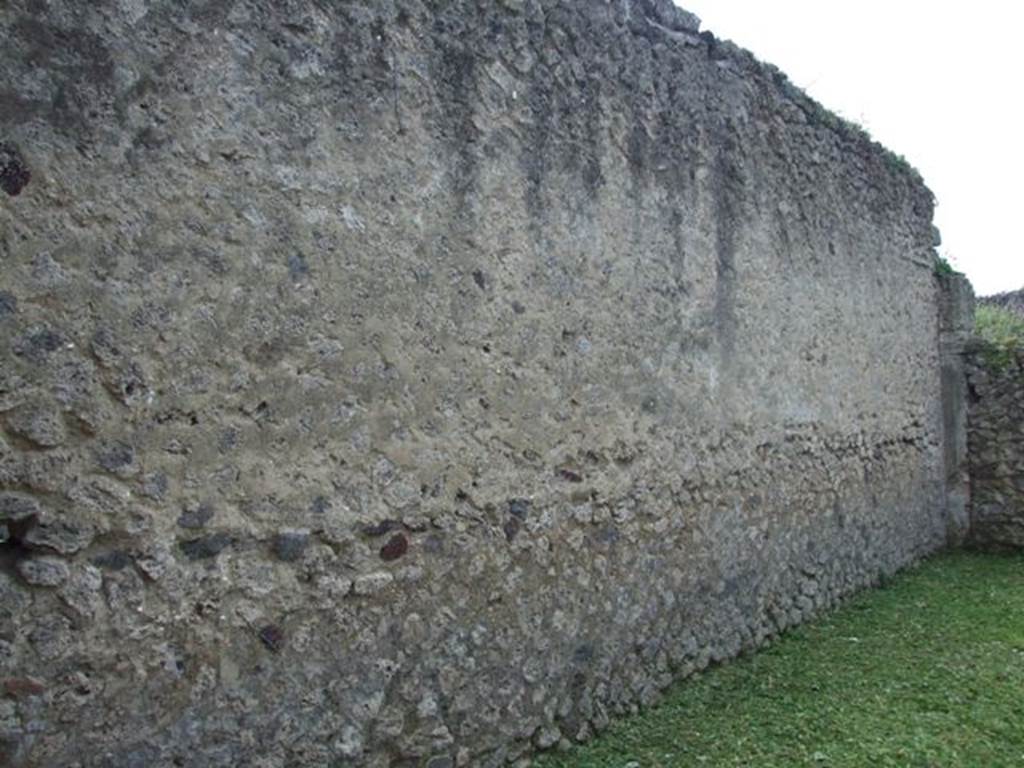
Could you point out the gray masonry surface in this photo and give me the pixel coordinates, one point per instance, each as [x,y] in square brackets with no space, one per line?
[996,451]
[956,336]
[397,383]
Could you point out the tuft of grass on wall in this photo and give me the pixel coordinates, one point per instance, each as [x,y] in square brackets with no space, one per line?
[943,267]
[925,672]
[1002,330]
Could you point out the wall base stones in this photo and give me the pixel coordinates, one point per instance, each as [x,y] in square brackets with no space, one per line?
[405,383]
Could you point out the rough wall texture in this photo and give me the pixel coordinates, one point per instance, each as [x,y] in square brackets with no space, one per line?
[404,383]
[996,453]
[956,334]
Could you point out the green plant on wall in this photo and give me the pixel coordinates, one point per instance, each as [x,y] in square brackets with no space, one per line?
[943,267]
[1002,330]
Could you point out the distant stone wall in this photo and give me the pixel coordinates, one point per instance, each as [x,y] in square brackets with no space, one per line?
[996,451]
[424,383]
[1013,300]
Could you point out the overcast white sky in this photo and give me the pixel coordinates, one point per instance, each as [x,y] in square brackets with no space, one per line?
[941,83]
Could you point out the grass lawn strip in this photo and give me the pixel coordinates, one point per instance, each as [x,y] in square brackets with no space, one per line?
[926,672]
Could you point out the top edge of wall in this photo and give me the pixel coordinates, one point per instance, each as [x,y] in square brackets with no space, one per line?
[682,27]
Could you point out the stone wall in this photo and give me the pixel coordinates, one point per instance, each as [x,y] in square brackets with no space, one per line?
[996,451]
[422,383]
[1013,300]
[956,335]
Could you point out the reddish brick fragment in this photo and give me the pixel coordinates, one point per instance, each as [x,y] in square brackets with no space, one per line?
[23,687]
[397,546]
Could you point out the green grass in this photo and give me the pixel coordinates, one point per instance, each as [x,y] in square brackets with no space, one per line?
[1002,330]
[926,672]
